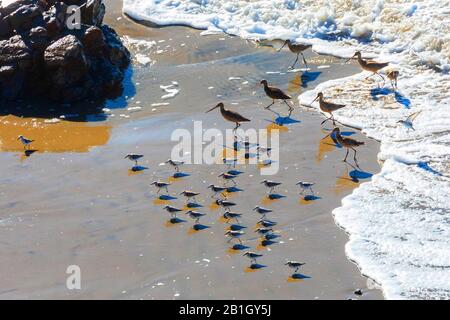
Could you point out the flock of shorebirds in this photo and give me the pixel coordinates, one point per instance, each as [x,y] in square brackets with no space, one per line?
[265,227]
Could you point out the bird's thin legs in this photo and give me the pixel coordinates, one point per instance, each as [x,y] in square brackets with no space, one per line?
[268,107]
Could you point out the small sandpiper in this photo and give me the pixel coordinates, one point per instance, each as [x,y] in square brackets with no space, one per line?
[304,185]
[266,223]
[190,194]
[270,184]
[408,122]
[172,210]
[262,211]
[294,265]
[264,150]
[234,235]
[160,185]
[26,142]
[230,162]
[252,256]
[195,215]
[232,215]
[225,204]
[226,176]
[176,164]
[134,157]
[262,231]
[216,189]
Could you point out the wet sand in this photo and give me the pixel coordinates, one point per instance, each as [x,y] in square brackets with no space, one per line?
[75,201]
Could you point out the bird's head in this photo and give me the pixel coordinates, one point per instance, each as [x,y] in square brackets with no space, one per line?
[153,183]
[19,137]
[356,55]
[264,181]
[246,254]
[210,186]
[263,82]
[319,96]
[219,105]
[188,212]
[228,232]
[126,157]
[256,208]
[168,161]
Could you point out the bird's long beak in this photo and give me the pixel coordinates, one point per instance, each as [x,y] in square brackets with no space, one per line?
[314,100]
[212,109]
[282,46]
[349,59]
[328,135]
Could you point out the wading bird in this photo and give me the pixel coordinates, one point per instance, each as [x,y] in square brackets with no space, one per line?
[172,210]
[252,256]
[225,204]
[262,211]
[195,215]
[189,194]
[160,185]
[294,265]
[370,66]
[408,122]
[266,223]
[26,142]
[327,107]
[393,76]
[226,176]
[270,184]
[134,157]
[297,48]
[276,94]
[229,215]
[348,143]
[230,115]
[176,164]
[234,235]
[304,185]
[216,189]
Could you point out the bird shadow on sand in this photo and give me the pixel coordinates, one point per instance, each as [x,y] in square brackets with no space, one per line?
[166,197]
[281,120]
[308,76]
[178,175]
[138,168]
[425,166]
[256,266]
[236,227]
[267,243]
[199,227]
[234,189]
[239,247]
[376,92]
[299,276]
[176,220]
[28,153]
[193,205]
[234,172]
[275,196]
[310,198]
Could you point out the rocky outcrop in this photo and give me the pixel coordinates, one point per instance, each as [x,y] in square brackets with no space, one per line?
[42,55]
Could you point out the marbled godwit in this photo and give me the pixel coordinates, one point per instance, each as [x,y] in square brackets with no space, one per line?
[297,48]
[370,66]
[134,157]
[270,184]
[232,215]
[327,107]
[276,94]
[305,186]
[230,115]
[195,215]
[189,194]
[234,235]
[408,122]
[294,265]
[216,189]
[176,164]
[252,256]
[160,185]
[172,210]
[26,142]
[393,76]
[348,143]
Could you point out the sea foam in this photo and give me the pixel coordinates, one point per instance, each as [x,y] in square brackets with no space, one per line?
[399,222]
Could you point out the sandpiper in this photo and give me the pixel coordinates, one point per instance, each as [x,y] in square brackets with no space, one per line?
[297,48]
[195,215]
[304,185]
[227,176]
[327,107]
[348,143]
[262,211]
[189,194]
[270,184]
[232,215]
[225,204]
[230,162]
[26,142]
[294,265]
[252,256]
[176,164]
[368,65]
[160,185]
[172,210]
[216,189]
[230,115]
[234,235]
[264,150]
[408,122]
[393,77]
[134,157]
[276,94]
[266,223]
[264,230]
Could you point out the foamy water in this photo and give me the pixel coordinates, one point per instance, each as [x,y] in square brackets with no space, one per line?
[399,222]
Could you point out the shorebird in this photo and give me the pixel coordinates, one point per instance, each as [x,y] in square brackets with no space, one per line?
[216,189]
[134,157]
[195,215]
[230,162]
[276,94]
[393,76]
[264,150]
[408,122]
[176,164]
[160,185]
[262,211]
[234,235]
[266,223]
[172,210]
[227,176]
[230,115]
[327,107]
[297,48]
[294,265]
[264,230]
[368,65]
[270,184]
[225,204]
[26,142]
[304,185]
[232,215]
[252,256]
[348,143]
[189,194]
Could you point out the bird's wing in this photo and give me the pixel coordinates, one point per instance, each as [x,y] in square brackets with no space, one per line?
[413,116]
[280,93]
[238,116]
[335,106]
[378,64]
[352,142]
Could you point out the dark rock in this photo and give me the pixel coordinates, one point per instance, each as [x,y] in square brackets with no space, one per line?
[93,12]
[24,16]
[13,6]
[117,52]
[5,28]
[358,292]
[14,50]
[94,41]
[38,38]
[65,51]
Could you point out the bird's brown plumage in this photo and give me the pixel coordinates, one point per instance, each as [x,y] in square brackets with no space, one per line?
[274,93]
